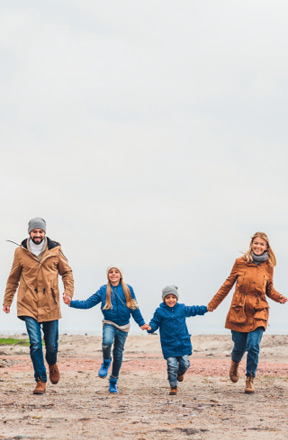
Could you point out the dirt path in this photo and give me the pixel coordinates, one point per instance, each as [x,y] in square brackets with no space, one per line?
[207,406]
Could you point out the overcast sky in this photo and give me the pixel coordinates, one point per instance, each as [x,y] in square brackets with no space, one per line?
[148,133]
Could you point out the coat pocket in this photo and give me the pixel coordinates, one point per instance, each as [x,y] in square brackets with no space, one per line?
[54,295]
[261,314]
[237,315]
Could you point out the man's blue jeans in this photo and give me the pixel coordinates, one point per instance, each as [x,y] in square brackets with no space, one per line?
[50,330]
[175,367]
[249,342]
[112,334]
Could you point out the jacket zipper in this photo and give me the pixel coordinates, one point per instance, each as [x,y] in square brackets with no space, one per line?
[116,300]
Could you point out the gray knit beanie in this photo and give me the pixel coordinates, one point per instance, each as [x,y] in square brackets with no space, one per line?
[170,290]
[115,266]
[36,223]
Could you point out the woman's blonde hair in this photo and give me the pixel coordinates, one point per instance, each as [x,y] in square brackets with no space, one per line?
[130,302]
[271,256]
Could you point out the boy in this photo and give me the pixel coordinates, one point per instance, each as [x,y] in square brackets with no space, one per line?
[175,340]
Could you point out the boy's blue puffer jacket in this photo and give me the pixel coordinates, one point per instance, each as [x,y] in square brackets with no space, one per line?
[174,337]
[120,313]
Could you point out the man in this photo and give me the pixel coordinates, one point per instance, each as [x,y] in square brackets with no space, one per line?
[37,263]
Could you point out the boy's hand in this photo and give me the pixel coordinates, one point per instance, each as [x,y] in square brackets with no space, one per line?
[67,299]
[145,327]
[209,309]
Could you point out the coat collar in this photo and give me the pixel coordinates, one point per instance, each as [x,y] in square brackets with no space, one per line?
[164,306]
[50,244]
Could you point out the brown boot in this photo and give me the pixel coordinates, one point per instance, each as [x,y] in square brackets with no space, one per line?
[180,378]
[54,374]
[173,391]
[249,385]
[233,373]
[40,387]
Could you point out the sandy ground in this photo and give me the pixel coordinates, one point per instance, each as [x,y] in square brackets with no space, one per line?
[207,406]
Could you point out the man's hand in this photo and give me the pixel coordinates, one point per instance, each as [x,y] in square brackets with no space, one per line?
[283,299]
[67,299]
[209,309]
[145,327]
[6,309]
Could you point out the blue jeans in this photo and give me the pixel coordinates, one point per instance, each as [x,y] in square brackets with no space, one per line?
[249,342]
[50,330]
[175,367]
[112,334]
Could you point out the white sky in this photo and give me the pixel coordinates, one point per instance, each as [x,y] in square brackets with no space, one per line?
[150,133]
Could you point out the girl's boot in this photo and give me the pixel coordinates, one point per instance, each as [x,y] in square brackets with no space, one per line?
[103,370]
[113,385]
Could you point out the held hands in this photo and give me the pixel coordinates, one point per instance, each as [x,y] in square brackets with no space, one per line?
[145,327]
[67,299]
[210,309]
[283,299]
[6,309]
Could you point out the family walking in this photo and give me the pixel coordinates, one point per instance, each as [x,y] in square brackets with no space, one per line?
[39,261]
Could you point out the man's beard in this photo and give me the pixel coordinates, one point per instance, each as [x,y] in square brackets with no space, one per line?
[39,242]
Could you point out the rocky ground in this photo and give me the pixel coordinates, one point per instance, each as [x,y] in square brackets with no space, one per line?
[207,406]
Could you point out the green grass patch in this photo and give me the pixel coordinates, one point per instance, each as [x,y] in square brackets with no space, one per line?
[13,341]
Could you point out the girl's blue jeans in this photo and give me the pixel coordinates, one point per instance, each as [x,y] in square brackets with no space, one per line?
[50,330]
[249,342]
[175,367]
[112,334]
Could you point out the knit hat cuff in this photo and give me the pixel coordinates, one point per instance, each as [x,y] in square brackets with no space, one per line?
[36,223]
[170,290]
[115,266]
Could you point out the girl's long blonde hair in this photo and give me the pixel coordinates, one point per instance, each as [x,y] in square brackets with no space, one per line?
[130,302]
[271,256]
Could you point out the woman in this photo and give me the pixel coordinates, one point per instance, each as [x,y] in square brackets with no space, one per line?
[248,314]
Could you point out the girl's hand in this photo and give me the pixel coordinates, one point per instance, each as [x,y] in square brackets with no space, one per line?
[67,299]
[210,309]
[145,327]
[283,299]
[6,309]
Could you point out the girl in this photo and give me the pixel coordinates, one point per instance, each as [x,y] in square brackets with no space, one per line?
[118,302]
[248,314]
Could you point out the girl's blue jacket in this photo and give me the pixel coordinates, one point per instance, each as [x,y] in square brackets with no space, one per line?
[120,313]
[174,337]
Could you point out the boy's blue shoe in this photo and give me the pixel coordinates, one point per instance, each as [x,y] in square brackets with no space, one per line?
[113,385]
[103,370]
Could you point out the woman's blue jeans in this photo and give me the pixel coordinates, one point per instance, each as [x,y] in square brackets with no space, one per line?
[50,330]
[112,334]
[175,367]
[249,342]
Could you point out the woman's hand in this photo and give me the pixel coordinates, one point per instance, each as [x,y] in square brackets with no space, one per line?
[6,309]
[67,299]
[283,299]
